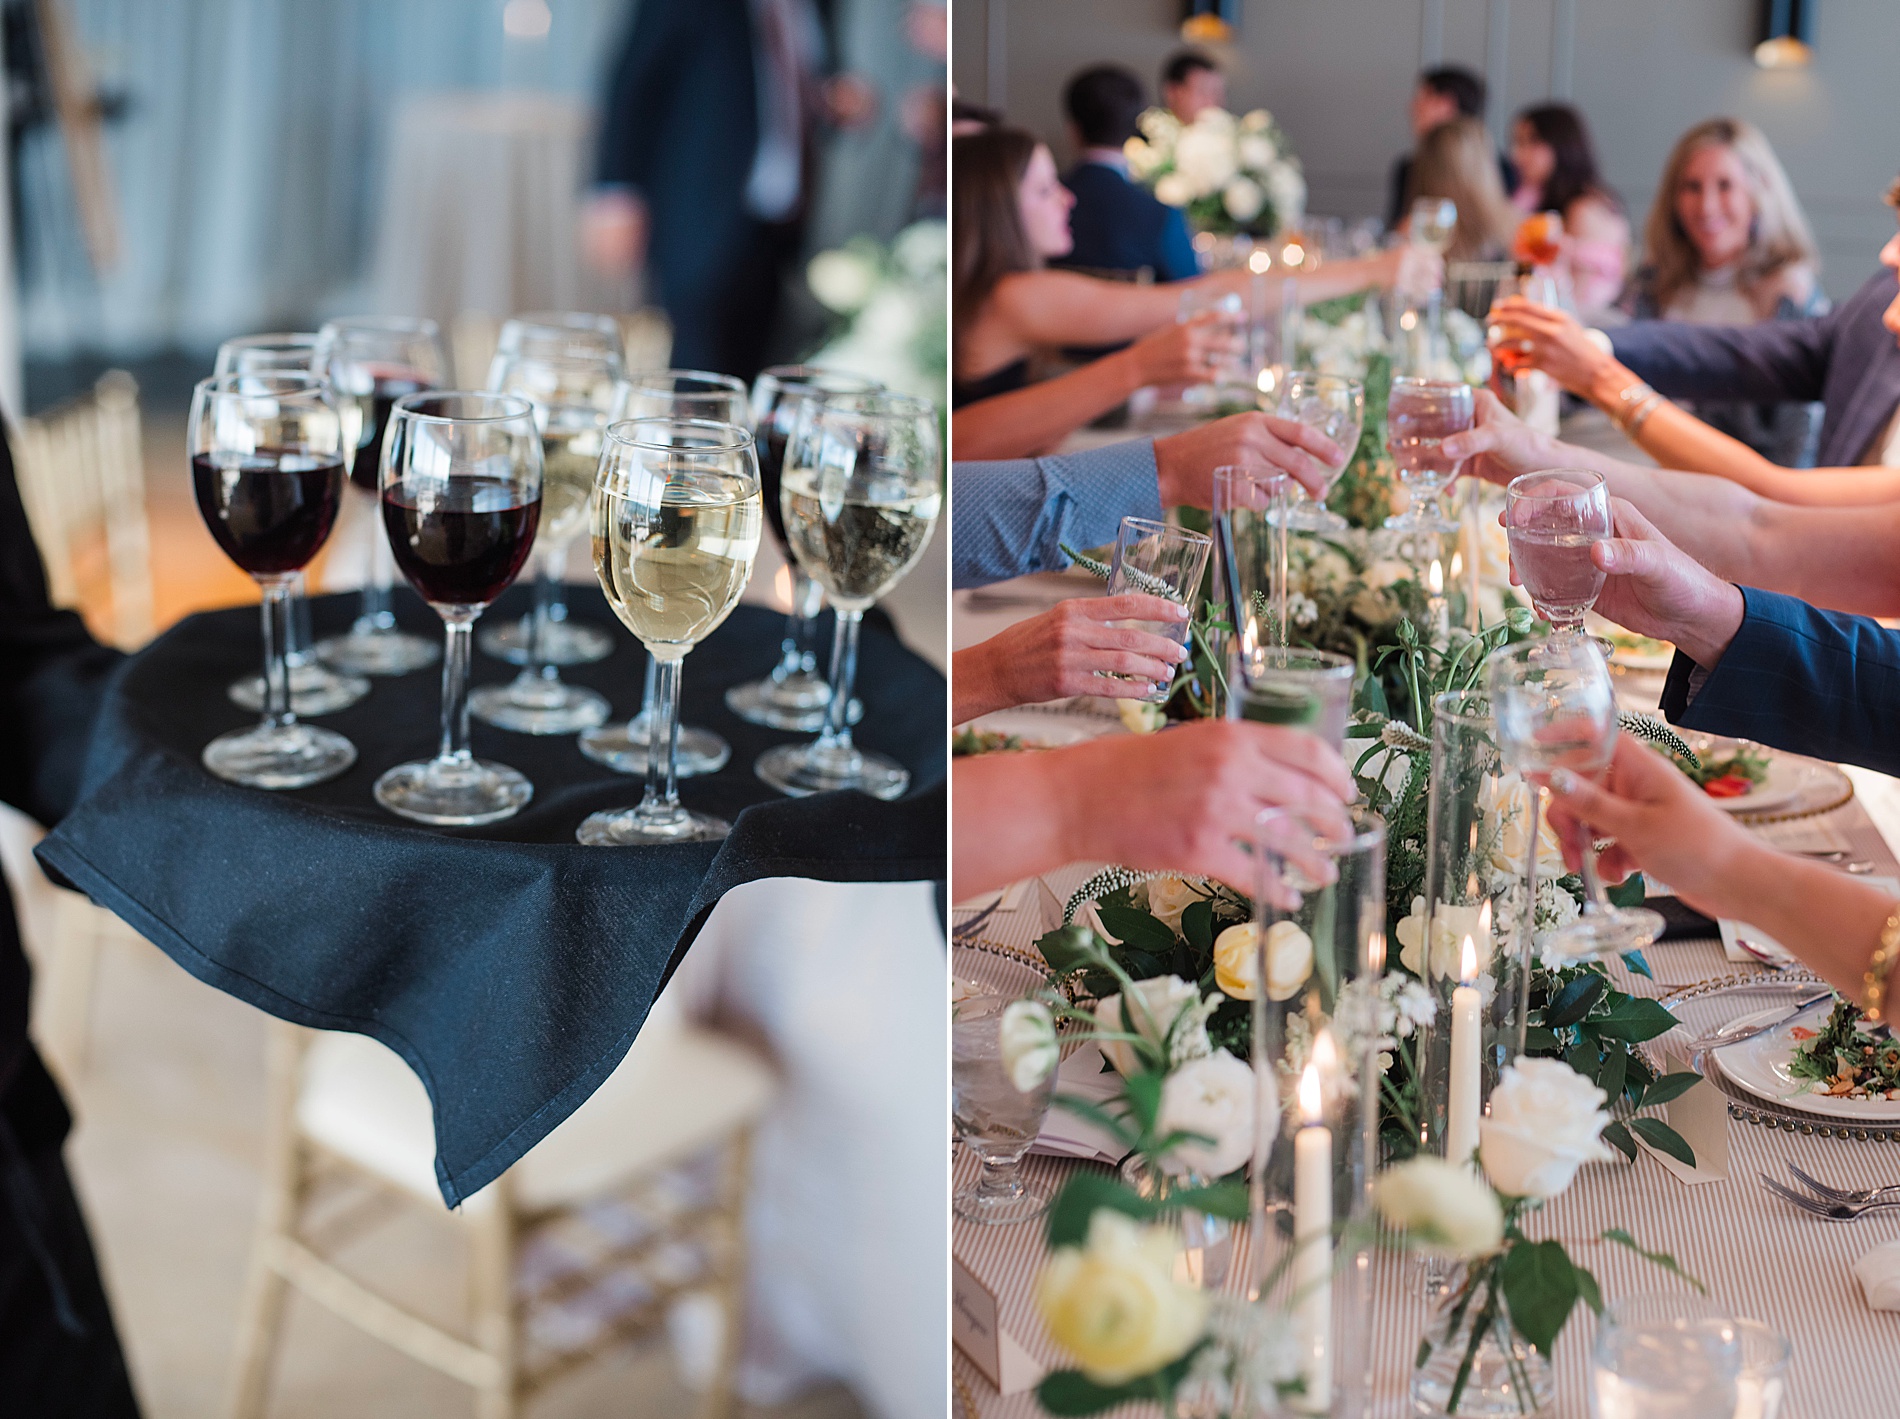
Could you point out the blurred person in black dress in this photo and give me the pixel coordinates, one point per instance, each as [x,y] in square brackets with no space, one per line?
[706,162]
[59,1352]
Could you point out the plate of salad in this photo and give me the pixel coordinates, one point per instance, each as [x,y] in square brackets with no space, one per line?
[1822,1061]
[1740,776]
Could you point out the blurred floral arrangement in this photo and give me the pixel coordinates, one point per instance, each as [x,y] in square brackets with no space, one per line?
[1228,174]
[890,301]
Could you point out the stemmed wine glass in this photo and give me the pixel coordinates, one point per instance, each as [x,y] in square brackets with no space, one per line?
[670,394]
[575,399]
[267,456]
[994,1117]
[1552,519]
[793,696]
[1420,416]
[370,363]
[1332,405]
[461,480]
[1434,220]
[554,357]
[860,492]
[1555,708]
[676,528]
[314,687]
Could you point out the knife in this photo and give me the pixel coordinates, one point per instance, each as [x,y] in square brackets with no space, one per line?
[1730,1035]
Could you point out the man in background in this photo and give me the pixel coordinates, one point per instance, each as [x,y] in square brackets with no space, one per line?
[705,168]
[1190,82]
[1442,95]
[1117,224]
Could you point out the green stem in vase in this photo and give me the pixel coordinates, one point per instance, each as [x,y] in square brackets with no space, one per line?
[1479,1329]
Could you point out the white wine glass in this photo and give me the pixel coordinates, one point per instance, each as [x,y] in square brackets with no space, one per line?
[1554,706]
[676,525]
[571,358]
[1552,519]
[670,394]
[370,363]
[861,489]
[1335,407]
[314,687]
[793,696]
[1420,415]
[1434,220]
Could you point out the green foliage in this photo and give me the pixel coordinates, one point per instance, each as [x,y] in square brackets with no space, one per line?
[1070,1392]
[1540,1288]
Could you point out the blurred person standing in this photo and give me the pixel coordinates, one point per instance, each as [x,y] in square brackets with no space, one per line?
[1116,223]
[1456,161]
[1557,172]
[1191,82]
[1441,95]
[1728,244]
[706,160]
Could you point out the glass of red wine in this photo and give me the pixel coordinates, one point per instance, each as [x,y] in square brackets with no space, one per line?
[794,695]
[573,358]
[371,362]
[1552,519]
[670,394]
[461,498]
[314,687]
[1420,415]
[267,455]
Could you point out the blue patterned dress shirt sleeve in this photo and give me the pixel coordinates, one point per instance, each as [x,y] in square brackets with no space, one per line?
[1009,517]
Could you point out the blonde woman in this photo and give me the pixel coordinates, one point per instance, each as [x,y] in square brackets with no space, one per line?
[1456,160]
[1727,244]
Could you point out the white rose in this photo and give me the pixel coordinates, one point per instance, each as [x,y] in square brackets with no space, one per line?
[1546,1121]
[1141,157]
[1504,801]
[1443,1207]
[1237,960]
[1153,1014]
[1205,156]
[1256,120]
[1243,199]
[1159,126]
[921,248]
[1451,924]
[1257,151]
[1026,1037]
[1168,897]
[1288,190]
[1114,1305]
[1174,189]
[1217,120]
[1212,1097]
[842,280]
[1328,571]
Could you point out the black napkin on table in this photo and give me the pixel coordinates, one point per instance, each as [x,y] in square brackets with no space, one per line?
[510,966]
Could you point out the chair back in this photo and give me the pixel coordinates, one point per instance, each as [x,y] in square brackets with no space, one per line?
[1472,285]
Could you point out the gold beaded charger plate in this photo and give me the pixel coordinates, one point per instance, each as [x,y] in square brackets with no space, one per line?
[1724,1000]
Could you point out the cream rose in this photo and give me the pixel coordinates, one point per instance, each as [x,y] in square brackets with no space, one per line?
[1504,801]
[1168,897]
[1237,960]
[1444,1208]
[1243,199]
[1257,152]
[1546,1121]
[1140,717]
[842,280]
[1158,1005]
[1451,923]
[1174,189]
[1113,1303]
[1026,1036]
[1204,155]
[1213,1097]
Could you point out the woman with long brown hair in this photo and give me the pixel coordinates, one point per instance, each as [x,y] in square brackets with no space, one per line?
[1456,161]
[1557,172]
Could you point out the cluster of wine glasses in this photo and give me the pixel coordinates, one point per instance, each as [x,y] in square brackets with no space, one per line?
[665,470]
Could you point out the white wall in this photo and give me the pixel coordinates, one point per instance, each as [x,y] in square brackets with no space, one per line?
[1338,74]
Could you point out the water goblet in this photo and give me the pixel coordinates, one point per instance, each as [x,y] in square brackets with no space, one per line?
[1665,1357]
[1420,415]
[370,363]
[1555,708]
[676,529]
[860,493]
[793,696]
[1552,520]
[996,1120]
[1331,405]
[267,456]
[314,687]
[461,481]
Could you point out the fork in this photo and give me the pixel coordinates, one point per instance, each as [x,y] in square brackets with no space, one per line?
[1851,1196]
[1832,1211]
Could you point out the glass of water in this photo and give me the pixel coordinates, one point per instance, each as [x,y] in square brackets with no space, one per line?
[1666,1357]
[1159,560]
[1334,406]
[996,1120]
[1553,519]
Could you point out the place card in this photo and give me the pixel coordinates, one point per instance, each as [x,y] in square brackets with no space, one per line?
[977,1328]
[1700,1115]
[1068,1135]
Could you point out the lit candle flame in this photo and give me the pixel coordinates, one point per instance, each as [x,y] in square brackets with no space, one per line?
[1457,563]
[1309,1094]
[1269,377]
[1468,961]
[1435,578]
[1484,919]
[1375,952]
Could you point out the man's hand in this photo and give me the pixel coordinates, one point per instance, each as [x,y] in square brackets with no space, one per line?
[1654,588]
[614,227]
[1499,446]
[1185,462]
[1067,651]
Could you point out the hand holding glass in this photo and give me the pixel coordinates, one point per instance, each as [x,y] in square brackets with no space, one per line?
[1552,520]
[1159,560]
[1335,407]
[1420,415]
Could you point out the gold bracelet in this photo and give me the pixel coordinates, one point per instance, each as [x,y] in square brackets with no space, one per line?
[1879,968]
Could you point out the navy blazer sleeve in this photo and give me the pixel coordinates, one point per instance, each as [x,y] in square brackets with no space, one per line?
[1798,678]
[1769,362]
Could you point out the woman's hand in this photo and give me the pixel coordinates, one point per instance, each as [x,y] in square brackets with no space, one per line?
[1185,462]
[1559,346]
[1663,825]
[1185,353]
[1498,446]
[1066,651]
